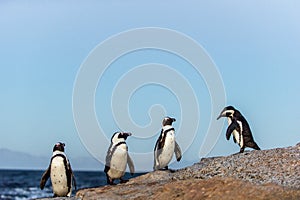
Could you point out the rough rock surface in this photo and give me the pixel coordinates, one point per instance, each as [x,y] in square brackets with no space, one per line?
[266,174]
[280,166]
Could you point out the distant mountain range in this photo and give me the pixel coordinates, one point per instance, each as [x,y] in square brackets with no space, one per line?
[18,160]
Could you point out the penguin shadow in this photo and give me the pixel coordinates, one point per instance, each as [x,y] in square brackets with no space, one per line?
[172,170]
[166,169]
[247,152]
[118,182]
[125,179]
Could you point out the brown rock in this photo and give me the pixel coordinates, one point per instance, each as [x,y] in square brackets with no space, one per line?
[268,174]
[213,188]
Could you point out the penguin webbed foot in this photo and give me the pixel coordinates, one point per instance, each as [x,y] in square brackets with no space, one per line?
[242,150]
[170,170]
[123,180]
[163,169]
[166,168]
[111,183]
[237,153]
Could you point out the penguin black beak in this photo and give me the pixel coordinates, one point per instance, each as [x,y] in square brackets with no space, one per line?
[220,116]
[127,134]
[173,119]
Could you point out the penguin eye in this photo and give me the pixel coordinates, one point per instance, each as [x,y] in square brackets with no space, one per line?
[228,114]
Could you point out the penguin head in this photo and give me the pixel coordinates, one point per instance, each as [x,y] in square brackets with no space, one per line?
[227,112]
[59,147]
[168,121]
[119,137]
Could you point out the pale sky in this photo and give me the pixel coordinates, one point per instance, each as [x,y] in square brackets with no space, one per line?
[254,45]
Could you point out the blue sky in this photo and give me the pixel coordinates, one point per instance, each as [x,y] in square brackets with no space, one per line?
[255,46]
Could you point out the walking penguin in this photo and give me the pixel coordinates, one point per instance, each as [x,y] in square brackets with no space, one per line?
[60,172]
[239,127]
[166,145]
[117,158]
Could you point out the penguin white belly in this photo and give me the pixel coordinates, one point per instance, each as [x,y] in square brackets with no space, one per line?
[167,152]
[118,162]
[59,177]
[241,139]
[236,135]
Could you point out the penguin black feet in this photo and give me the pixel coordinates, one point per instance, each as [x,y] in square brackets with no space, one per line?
[171,170]
[253,146]
[123,181]
[242,150]
[164,168]
[109,180]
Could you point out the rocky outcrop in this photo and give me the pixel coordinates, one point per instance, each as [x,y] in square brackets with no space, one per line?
[266,174]
[280,166]
[212,188]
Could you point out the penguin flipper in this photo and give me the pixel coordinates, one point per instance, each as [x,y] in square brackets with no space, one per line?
[106,169]
[130,164]
[73,176]
[233,126]
[157,150]
[159,143]
[108,158]
[44,178]
[177,152]
[74,182]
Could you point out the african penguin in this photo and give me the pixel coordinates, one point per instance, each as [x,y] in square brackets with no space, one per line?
[117,158]
[239,127]
[60,172]
[166,145]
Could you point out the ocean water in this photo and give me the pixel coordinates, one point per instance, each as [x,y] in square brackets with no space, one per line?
[24,184]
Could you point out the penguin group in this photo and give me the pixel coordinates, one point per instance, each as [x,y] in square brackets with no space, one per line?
[117,157]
